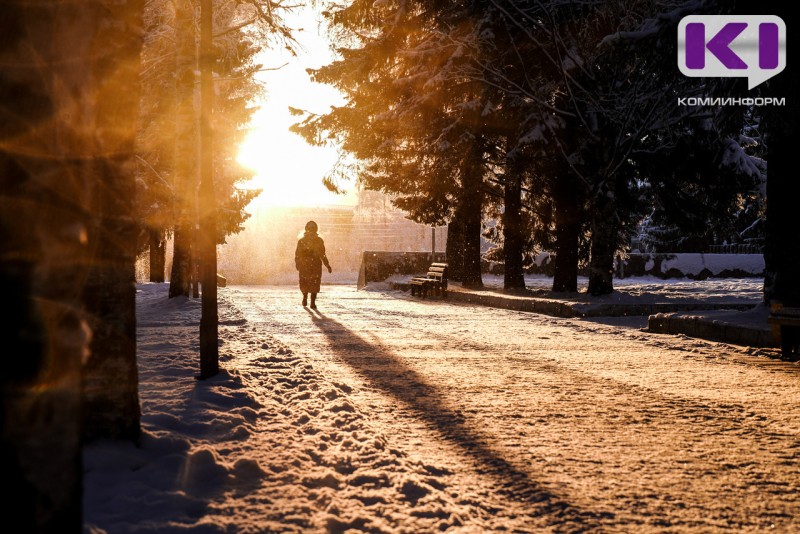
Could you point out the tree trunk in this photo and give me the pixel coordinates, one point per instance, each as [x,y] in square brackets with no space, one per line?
[604,240]
[185,150]
[158,255]
[57,58]
[207,239]
[782,246]
[194,258]
[514,276]
[568,227]
[180,275]
[454,249]
[110,386]
[472,206]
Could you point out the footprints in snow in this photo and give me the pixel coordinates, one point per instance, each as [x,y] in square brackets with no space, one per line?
[336,455]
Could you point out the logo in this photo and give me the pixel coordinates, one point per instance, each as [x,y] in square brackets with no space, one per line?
[727,46]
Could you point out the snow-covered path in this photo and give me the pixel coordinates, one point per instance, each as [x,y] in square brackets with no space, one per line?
[379,413]
[507,420]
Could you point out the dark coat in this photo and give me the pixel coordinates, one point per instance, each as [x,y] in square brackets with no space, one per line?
[309,256]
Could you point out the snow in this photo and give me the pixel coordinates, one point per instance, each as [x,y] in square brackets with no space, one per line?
[715,263]
[383,413]
[755,318]
[533,135]
[736,158]
[646,289]
[691,265]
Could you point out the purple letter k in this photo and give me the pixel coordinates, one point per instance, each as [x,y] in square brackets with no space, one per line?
[719,45]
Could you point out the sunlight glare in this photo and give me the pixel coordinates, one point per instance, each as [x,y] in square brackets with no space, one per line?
[287,169]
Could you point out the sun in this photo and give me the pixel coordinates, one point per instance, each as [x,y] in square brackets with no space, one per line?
[287,169]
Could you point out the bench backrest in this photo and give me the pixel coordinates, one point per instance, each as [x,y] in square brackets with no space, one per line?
[438,271]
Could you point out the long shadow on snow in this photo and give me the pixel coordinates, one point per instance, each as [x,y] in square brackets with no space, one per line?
[388,372]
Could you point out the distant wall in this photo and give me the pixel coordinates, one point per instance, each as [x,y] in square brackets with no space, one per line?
[377,266]
[264,252]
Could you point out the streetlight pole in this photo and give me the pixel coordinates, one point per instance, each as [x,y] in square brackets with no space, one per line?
[433,244]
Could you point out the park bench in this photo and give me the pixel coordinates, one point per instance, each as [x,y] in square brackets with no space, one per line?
[785,323]
[432,284]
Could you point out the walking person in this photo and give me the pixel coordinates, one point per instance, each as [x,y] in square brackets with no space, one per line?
[309,258]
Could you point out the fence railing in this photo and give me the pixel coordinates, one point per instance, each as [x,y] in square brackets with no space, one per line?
[740,248]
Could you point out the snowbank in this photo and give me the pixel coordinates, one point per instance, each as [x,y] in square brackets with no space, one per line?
[695,266]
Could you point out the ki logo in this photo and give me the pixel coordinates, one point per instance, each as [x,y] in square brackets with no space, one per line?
[750,46]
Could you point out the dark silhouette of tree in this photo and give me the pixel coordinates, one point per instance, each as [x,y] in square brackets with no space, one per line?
[782,247]
[558,110]
[602,85]
[513,237]
[155,138]
[110,383]
[168,183]
[69,92]
[602,102]
[185,149]
[699,198]
[421,128]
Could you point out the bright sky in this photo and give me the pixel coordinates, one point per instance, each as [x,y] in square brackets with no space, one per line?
[288,169]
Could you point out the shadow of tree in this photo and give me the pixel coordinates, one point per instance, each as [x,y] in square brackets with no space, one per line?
[388,372]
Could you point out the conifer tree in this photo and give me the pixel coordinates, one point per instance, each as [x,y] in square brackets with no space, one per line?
[69,119]
[168,181]
[418,126]
[155,137]
[436,90]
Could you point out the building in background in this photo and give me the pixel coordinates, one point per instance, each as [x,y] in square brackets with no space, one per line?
[264,252]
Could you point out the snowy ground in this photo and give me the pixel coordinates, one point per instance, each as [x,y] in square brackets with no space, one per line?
[643,285]
[380,413]
[638,290]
